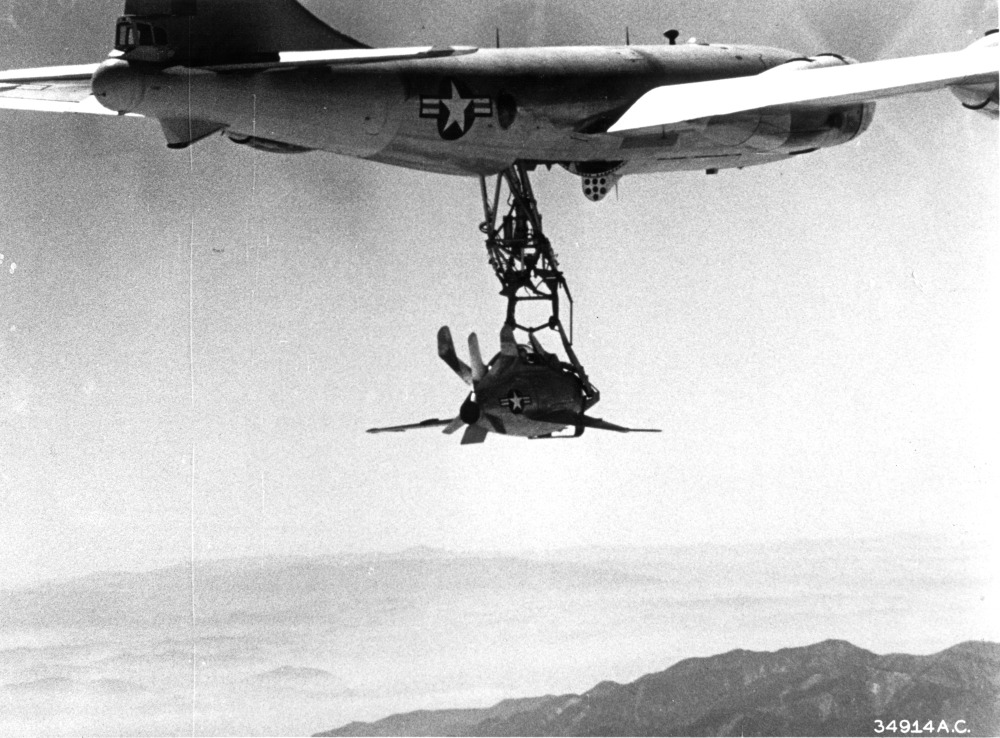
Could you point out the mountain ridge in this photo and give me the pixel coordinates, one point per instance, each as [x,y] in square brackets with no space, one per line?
[828,688]
[249,590]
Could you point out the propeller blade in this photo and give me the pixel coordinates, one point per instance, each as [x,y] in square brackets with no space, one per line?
[536,344]
[478,367]
[432,423]
[473,434]
[446,350]
[508,345]
[507,358]
[453,426]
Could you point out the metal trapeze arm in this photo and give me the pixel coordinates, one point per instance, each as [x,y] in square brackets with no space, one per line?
[523,260]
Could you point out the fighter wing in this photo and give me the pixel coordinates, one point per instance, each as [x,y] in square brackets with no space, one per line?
[578,420]
[51,89]
[432,423]
[848,84]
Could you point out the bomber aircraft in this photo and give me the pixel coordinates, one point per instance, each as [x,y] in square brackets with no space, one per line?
[270,75]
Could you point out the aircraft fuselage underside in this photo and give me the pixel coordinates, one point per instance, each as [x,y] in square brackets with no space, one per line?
[478,113]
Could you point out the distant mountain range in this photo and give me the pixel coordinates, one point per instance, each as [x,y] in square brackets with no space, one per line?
[292,589]
[830,688]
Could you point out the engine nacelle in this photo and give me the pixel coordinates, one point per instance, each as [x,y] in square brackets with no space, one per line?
[984,98]
[820,61]
[830,126]
[793,129]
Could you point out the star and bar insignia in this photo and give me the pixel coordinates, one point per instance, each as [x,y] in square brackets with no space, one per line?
[455,109]
[516,402]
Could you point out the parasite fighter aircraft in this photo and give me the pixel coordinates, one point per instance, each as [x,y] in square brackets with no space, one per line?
[523,391]
[268,74]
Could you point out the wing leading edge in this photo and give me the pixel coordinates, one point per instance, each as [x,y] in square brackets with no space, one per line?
[51,89]
[339,57]
[840,85]
[432,423]
[67,89]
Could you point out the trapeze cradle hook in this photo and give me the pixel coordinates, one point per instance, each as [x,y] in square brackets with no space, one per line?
[522,258]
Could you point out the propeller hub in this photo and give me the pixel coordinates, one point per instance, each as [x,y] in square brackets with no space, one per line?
[470,412]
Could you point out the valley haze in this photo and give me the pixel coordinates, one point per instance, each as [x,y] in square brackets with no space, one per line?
[296,645]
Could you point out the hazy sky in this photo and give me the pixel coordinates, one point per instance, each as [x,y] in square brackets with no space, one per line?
[815,338]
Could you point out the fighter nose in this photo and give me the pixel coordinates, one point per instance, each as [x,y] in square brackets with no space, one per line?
[118,86]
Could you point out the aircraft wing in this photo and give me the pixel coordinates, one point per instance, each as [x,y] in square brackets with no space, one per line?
[849,84]
[51,89]
[432,423]
[338,57]
[66,89]
[578,420]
